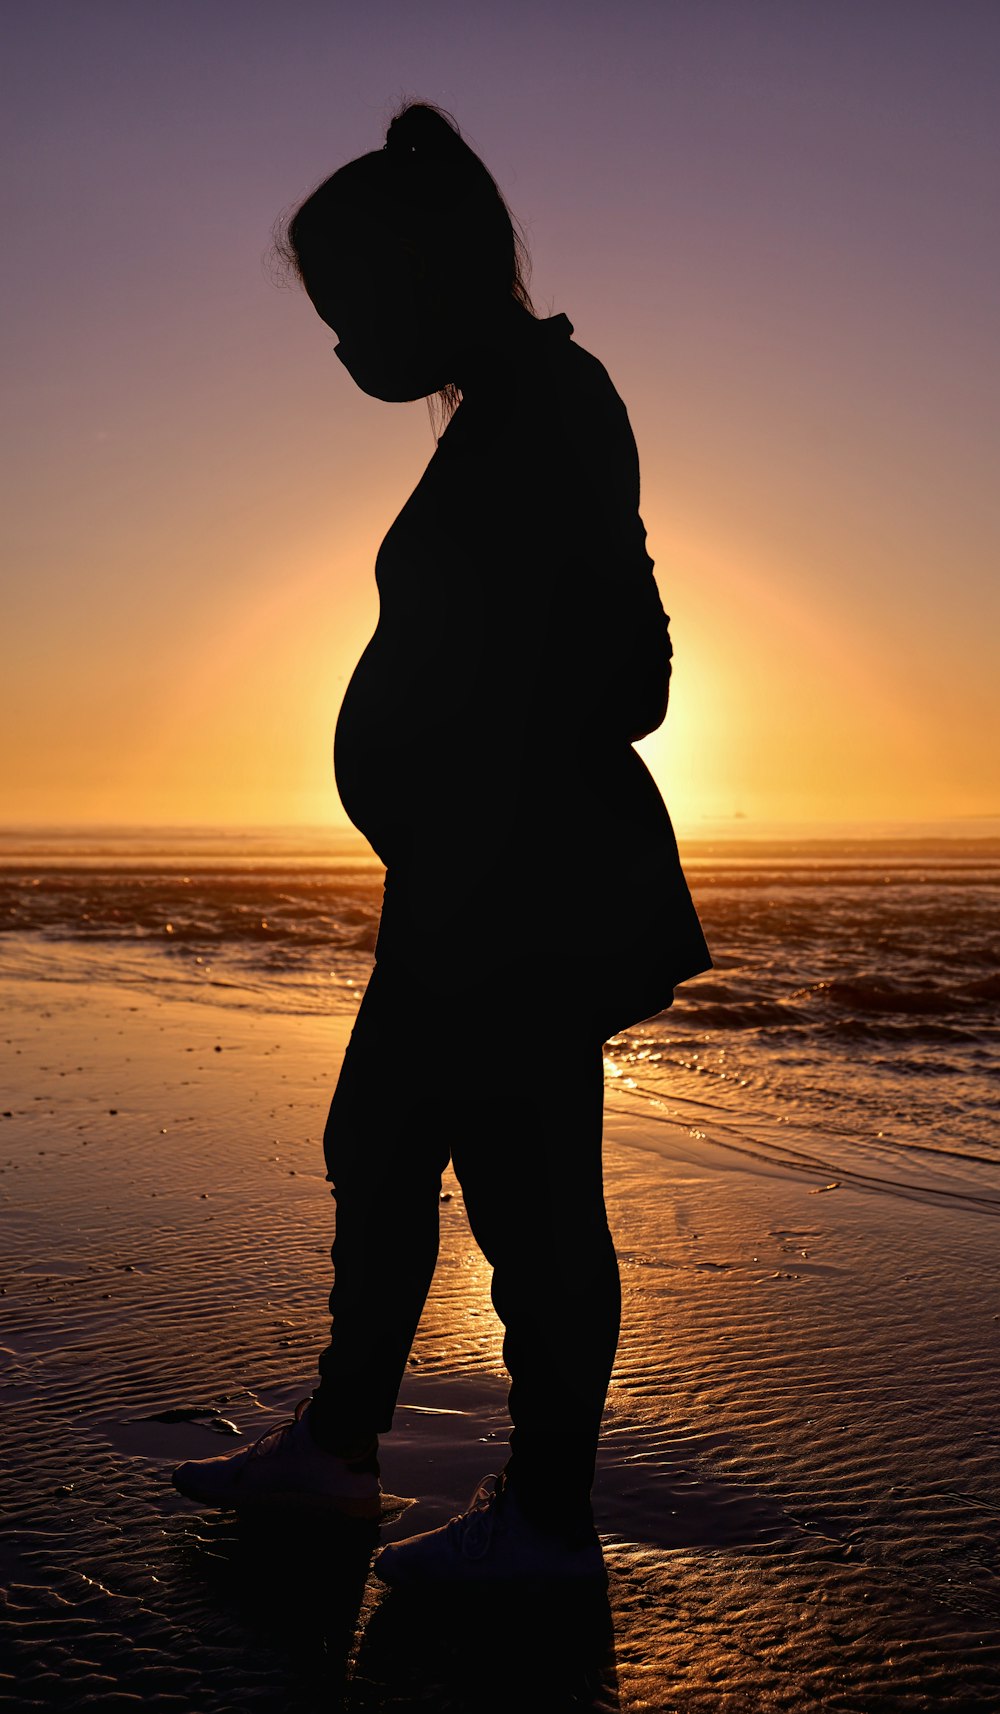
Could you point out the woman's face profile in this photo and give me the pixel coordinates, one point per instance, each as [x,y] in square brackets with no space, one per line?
[398,336]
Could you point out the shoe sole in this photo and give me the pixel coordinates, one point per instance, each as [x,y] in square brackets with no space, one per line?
[291,1500]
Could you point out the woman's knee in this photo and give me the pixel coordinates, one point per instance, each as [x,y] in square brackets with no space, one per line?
[522,1229]
[344,1148]
[382,1149]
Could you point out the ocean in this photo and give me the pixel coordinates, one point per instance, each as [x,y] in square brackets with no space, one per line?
[849,1027]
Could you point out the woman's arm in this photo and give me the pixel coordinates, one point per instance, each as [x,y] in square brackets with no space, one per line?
[609,641]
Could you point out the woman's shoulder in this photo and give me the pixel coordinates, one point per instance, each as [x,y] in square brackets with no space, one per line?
[575,392]
[579,422]
[571,366]
[556,414]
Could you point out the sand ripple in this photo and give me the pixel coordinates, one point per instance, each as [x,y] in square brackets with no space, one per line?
[799,1486]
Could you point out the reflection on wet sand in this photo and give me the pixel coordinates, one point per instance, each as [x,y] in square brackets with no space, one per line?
[799,1473]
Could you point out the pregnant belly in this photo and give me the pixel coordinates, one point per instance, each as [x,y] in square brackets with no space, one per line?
[369,764]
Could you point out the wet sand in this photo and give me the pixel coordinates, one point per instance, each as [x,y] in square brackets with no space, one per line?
[799,1483]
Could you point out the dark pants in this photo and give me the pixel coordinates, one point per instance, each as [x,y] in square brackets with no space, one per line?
[516,1101]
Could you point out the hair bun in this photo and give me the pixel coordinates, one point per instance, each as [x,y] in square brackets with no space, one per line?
[421,129]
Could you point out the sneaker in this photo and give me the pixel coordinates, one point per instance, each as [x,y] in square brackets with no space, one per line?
[286,1467]
[493,1541]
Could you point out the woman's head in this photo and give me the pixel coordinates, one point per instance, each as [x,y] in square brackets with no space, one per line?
[406,253]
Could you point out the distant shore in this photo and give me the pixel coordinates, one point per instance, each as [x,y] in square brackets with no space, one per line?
[710,836]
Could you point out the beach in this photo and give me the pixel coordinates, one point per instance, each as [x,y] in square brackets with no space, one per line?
[798,1488]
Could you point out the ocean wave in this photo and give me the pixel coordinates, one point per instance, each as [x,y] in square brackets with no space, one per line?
[880,993]
[835,998]
[756,1014]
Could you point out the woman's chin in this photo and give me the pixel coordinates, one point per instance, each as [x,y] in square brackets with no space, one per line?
[395,385]
[399,392]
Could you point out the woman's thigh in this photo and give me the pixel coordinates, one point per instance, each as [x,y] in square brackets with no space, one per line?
[526,1118]
[503,1076]
[380,1132]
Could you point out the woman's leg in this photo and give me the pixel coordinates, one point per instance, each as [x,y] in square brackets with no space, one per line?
[384,1158]
[529,1162]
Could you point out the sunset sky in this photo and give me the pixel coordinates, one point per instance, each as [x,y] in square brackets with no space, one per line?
[775,223]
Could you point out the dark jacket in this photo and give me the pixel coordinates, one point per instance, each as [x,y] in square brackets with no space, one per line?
[485,742]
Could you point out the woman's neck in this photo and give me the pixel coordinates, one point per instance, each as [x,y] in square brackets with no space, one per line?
[485,362]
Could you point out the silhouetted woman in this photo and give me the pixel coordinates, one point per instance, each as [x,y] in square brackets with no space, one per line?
[534,901]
